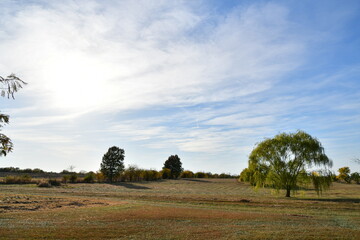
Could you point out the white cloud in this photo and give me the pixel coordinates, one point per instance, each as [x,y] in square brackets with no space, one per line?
[139,55]
[158,74]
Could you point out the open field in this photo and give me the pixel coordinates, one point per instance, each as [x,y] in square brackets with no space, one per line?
[177,209]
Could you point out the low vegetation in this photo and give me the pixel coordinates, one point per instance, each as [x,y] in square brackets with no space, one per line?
[188,208]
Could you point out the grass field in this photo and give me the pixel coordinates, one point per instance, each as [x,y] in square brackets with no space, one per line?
[177,209]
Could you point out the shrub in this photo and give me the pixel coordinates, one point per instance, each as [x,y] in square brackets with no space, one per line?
[24,179]
[200,175]
[151,175]
[187,174]
[90,177]
[54,182]
[131,174]
[65,179]
[99,177]
[11,180]
[73,178]
[44,184]
[165,173]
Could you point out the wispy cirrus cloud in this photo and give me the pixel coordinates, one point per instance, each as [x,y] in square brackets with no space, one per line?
[165,76]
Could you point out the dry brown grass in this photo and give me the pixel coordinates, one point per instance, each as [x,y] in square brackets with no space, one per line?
[208,209]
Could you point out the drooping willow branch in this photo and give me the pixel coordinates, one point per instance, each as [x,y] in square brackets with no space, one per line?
[10,85]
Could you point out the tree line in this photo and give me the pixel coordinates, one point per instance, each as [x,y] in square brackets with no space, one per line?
[285,161]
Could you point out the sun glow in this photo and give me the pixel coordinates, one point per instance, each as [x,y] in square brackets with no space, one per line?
[76,81]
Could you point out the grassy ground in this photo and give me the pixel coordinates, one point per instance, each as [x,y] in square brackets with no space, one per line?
[177,209]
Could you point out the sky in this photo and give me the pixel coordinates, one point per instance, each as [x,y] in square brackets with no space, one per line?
[205,80]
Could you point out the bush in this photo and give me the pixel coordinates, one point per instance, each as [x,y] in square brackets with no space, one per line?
[131,174]
[65,179]
[90,177]
[11,180]
[73,178]
[99,177]
[187,174]
[151,175]
[54,182]
[24,179]
[200,175]
[44,184]
[165,173]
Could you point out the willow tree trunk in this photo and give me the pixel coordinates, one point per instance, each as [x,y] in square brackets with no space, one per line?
[288,192]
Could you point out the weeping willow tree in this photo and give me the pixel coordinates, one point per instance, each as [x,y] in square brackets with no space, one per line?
[8,86]
[283,162]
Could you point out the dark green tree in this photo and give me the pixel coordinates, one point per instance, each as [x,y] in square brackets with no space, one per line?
[174,164]
[281,162]
[8,86]
[112,163]
[355,177]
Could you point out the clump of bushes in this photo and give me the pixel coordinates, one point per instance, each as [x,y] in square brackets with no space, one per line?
[100,177]
[54,182]
[187,174]
[73,178]
[49,183]
[131,174]
[90,177]
[151,175]
[135,174]
[165,173]
[200,175]
[24,179]
[65,179]
[44,184]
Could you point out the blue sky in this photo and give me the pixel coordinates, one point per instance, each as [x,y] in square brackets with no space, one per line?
[206,80]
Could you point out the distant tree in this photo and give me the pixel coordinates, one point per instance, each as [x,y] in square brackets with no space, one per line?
[174,164]
[280,161]
[8,86]
[112,163]
[355,177]
[344,174]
